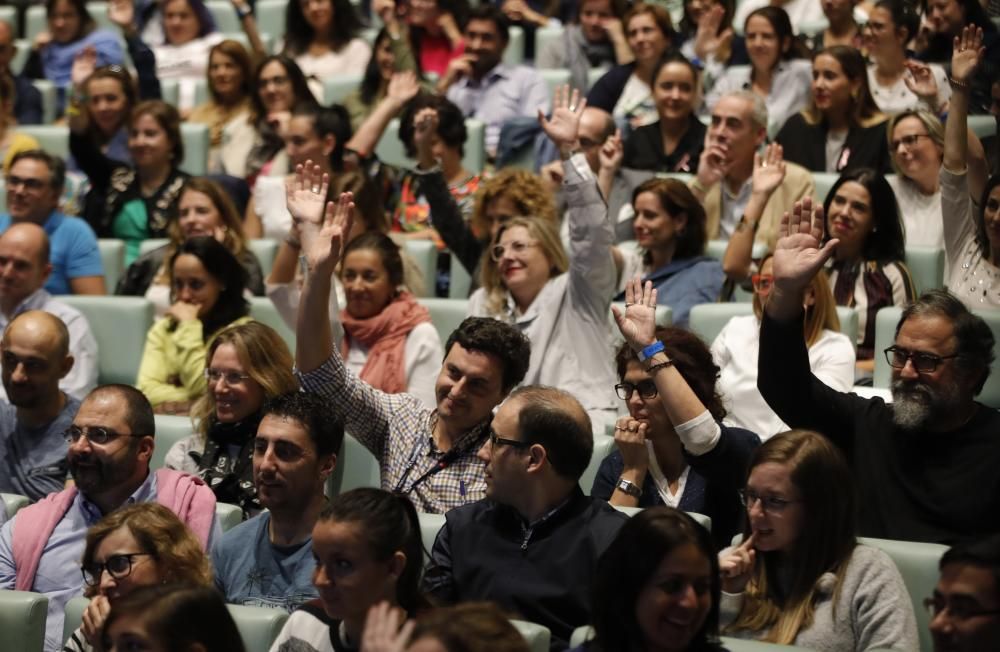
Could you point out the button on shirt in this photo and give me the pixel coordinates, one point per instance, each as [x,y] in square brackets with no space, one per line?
[503,93]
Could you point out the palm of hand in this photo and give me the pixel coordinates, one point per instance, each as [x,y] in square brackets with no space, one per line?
[964,62]
[797,255]
[306,207]
[562,127]
[767,178]
[639,324]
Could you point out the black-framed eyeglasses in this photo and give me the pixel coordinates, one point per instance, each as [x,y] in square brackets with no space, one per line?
[95,435]
[910,140]
[496,440]
[646,389]
[232,378]
[959,610]
[118,566]
[924,363]
[770,504]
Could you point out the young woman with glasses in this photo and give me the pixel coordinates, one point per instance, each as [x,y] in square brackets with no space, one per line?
[672,448]
[138,545]
[800,577]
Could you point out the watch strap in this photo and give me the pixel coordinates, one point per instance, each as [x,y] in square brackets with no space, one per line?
[629,488]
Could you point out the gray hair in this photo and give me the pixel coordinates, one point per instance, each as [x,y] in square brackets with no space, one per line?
[758,109]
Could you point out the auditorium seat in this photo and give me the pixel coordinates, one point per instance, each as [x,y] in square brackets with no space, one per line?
[537,636]
[263,310]
[425,254]
[604,445]
[13,503]
[356,467]
[112,260]
[228,516]
[926,265]
[265,249]
[390,148]
[337,87]
[170,429]
[258,626]
[708,319]
[22,620]
[446,314]
[119,325]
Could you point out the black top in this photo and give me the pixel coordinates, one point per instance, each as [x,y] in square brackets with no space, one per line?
[644,149]
[912,486]
[805,144]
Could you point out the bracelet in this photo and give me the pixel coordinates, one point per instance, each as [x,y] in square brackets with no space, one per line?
[243,11]
[649,351]
[957,84]
[658,366]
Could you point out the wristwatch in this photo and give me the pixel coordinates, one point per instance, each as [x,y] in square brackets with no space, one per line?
[629,488]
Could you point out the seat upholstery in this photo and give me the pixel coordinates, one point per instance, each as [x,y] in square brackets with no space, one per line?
[22,620]
[119,325]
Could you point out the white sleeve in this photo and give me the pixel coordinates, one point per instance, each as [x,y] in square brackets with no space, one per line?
[422,358]
[82,377]
[832,361]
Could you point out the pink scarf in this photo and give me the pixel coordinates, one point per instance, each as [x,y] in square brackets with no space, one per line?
[385,336]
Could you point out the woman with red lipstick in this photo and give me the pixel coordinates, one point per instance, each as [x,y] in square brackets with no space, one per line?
[842,128]
[800,577]
[246,365]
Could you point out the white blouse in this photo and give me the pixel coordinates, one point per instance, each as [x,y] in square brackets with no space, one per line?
[921,213]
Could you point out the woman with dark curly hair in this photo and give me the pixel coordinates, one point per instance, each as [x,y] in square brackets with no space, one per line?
[322,37]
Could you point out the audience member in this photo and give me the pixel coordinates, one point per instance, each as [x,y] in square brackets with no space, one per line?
[940,358]
[24,268]
[844,19]
[323,37]
[970,203]
[675,141]
[204,209]
[426,35]
[12,141]
[842,128]
[916,141]
[780,71]
[374,87]
[559,301]
[724,183]
[707,37]
[34,184]
[532,544]
[35,412]
[227,109]
[247,365]
[107,97]
[171,617]
[597,39]
[670,230]
[144,544]
[800,12]
[966,601]
[368,551]
[484,87]
[468,627]
[736,351]
[137,200]
[656,587]
[427,455]
[672,448]
[27,99]
[110,444]
[625,91]
[207,285]
[268,560]
[800,576]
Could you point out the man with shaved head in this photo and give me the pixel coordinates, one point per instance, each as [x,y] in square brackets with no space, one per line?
[27,98]
[34,357]
[24,268]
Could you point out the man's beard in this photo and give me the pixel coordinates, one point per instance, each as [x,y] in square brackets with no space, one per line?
[916,405]
[94,475]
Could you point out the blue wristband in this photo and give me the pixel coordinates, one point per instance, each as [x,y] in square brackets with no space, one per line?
[650,351]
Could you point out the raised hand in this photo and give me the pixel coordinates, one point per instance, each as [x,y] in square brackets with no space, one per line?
[736,566]
[425,127]
[768,169]
[562,128]
[385,9]
[967,52]
[708,39]
[800,252]
[84,64]
[403,86]
[305,195]
[612,152]
[921,81]
[638,323]
[385,629]
[122,13]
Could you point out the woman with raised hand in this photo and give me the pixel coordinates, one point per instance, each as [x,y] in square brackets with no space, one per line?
[559,300]
[322,36]
[800,576]
[708,40]
[426,35]
[673,448]
[375,85]
[970,203]
[139,545]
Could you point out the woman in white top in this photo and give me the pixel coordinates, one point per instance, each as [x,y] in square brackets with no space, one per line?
[971,232]
[891,77]
[322,37]
[560,302]
[779,70]
[916,143]
[735,350]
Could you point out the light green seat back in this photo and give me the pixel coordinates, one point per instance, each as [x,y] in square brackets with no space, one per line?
[170,429]
[196,144]
[593,74]
[824,182]
[554,78]
[48,92]
[514,54]
[22,620]
[271,15]
[708,319]
[430,525]
[885,335]
[264,311]
[258,626]
[982,125]
[336,88]
[580,636]
[34,22]
[390,148]
[848,323]
[701,519]
[225,16]
[265,249]
[54,139]
[356,467]
[229,516]
[460,281]
[170,91]
[99,12]
[717,249]
[536,636]
[603,446]
[112,260]
[119,325]
[739,645]
[425,254]
[73,615]
[926,265]
[149,244]
[446,314]
[544,36]
[918,564]
[8,14]
[21,56]
[13,503]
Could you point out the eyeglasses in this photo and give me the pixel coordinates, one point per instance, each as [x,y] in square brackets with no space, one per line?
[231,377]
[959,610]
[95,435]
[646,389]
[513,443]
[762,282]
[118,566]
[516,247]
[770,504]
[910,141]
[924,363]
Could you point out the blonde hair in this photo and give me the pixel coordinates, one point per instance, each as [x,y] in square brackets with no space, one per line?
[521,187]
[265,358]
[546,232]
[930,122]
[820,316]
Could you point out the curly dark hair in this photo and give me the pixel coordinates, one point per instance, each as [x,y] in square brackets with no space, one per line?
[451,123]
[325,430]
[488,335]
[299,34]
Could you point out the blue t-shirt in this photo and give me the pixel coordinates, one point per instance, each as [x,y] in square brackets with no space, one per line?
[74,251]
[249,570]
[33,460]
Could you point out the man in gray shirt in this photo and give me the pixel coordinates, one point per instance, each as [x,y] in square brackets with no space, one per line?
[34,355]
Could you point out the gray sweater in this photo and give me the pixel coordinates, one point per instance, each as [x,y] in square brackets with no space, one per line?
[873,609]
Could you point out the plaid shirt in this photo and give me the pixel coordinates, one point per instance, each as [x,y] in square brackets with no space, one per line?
[398,430]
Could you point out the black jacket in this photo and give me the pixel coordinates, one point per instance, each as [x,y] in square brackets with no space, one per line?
[805,144]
